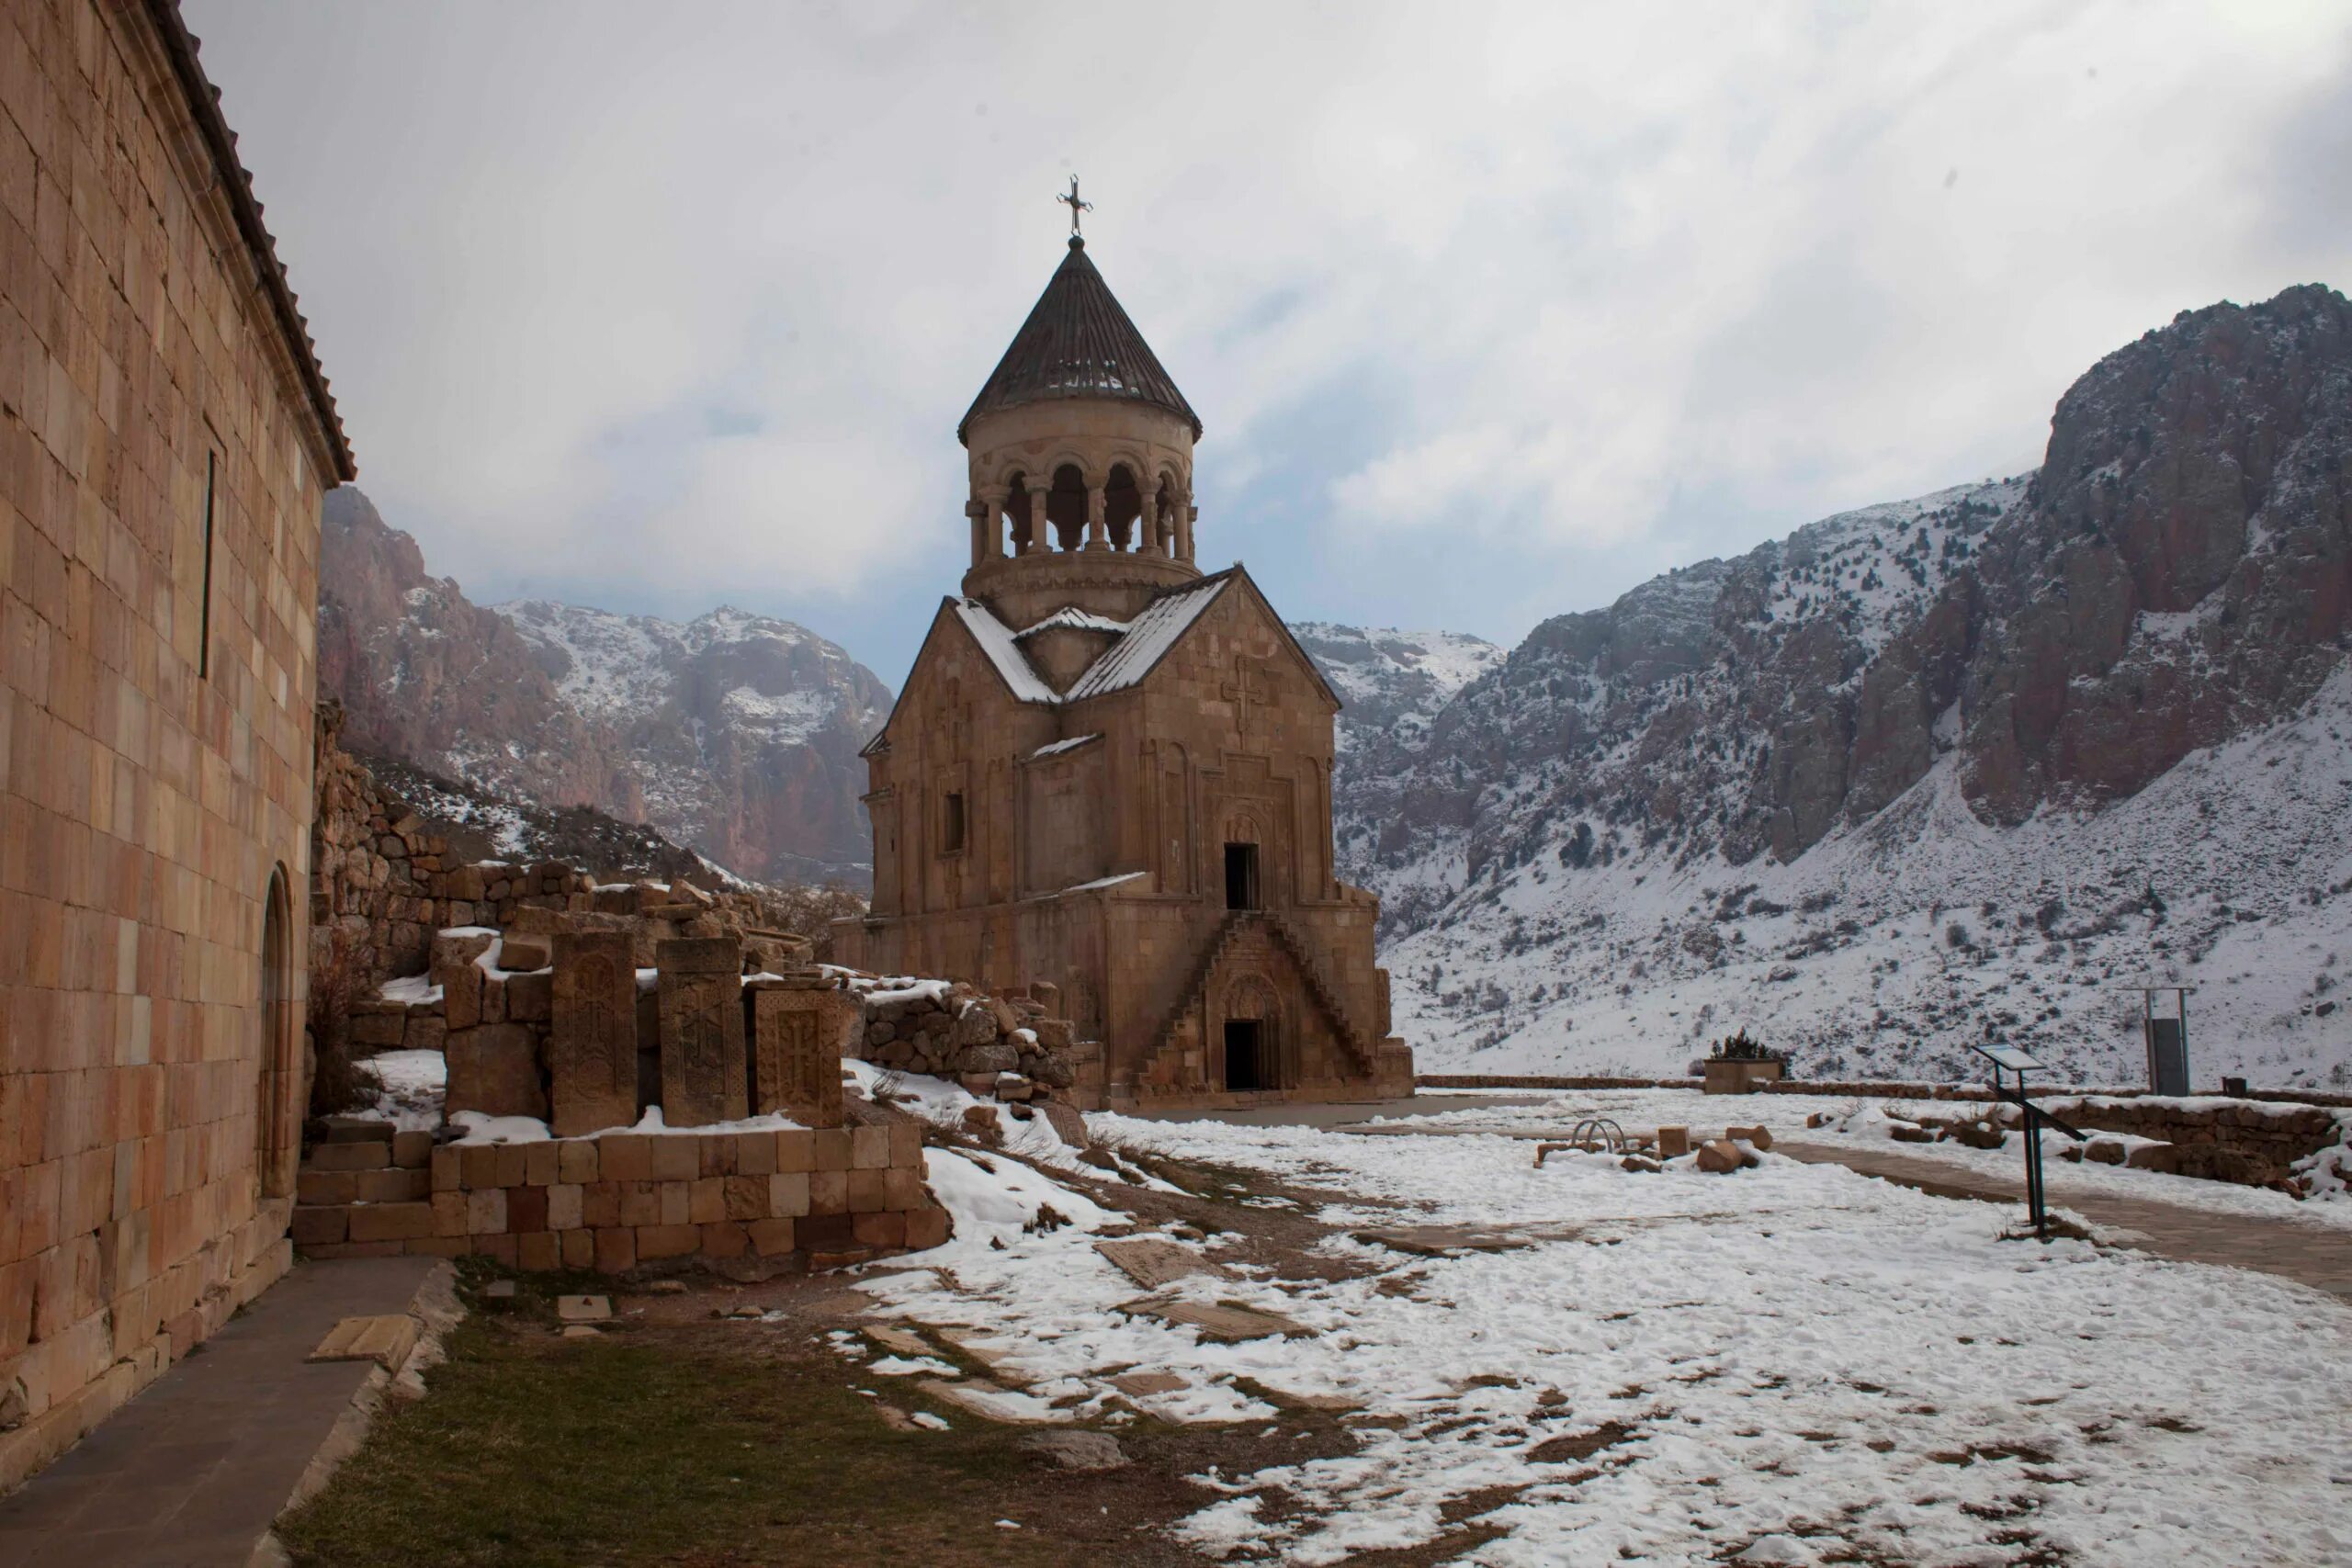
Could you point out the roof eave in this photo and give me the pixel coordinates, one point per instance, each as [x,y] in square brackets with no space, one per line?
[204,105]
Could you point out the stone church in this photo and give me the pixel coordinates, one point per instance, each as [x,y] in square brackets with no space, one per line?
[1110,772]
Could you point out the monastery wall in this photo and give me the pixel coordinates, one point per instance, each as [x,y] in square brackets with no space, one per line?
[162,469]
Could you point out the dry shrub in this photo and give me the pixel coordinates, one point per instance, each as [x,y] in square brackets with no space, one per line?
[337,978]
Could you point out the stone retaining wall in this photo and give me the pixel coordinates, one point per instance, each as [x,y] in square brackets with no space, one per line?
[380,887]
[619,1199]
[1856,1089]
[2267,1138]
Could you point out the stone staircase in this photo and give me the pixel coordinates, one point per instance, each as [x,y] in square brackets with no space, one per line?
[1286,936]
[1359,1045]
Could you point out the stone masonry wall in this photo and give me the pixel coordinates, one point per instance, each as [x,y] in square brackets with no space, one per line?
[618,1201]
[161,469]
[381,884]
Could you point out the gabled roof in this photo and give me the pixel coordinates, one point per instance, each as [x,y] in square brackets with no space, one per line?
[1069,617]
[1142,644]
[1012,666]
[1078,343]
[1149,637]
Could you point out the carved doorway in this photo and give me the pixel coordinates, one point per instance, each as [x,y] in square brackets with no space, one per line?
[1250,1032]
[1242,1041]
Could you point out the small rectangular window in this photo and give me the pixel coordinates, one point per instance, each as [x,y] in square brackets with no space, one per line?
[204,612]
[951,824]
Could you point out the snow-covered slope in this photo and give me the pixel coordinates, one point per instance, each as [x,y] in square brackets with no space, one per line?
[1393,682]
[1975,762]
[1887,947]
[742,730]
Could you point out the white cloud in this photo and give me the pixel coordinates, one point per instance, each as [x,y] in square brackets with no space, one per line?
[696,297]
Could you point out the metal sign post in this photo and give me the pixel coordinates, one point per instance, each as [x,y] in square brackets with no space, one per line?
[2167,1039]
[2010,1059]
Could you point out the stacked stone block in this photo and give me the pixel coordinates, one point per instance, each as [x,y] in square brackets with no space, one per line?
[1004,1046]
[382,888]
[620,1200]
[381,885]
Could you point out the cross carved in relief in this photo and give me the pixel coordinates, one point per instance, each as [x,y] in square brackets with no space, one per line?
[1246,689]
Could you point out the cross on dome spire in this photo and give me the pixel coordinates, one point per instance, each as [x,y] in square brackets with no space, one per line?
[1075,207]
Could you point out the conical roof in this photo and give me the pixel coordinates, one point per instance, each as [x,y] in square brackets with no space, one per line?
[1078,343]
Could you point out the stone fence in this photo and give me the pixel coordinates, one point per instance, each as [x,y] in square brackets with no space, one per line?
[817,1197]
[1011,1047]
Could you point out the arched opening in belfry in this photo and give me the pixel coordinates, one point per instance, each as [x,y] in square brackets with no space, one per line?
[1122,508]
[1016,515]
[1164,507]
[1066,507]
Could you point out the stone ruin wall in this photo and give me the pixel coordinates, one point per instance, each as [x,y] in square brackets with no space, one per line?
[2249,1143]
[747,1202]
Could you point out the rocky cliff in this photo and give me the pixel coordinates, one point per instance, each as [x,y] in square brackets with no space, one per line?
[734,734]
[1971,760]
[742,731]
[428,676]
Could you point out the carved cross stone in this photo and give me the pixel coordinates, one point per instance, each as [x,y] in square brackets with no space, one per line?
[1247,688]
[591,1035]
[703,1075]
[799,1034]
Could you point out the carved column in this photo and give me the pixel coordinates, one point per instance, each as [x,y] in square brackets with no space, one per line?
[1039,538]
[993,503]
[1098,536]
[1186,515]
[1151,525]
[978,511]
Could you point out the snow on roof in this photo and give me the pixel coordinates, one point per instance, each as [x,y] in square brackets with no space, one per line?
[996,641]
[1150,636]
[1057,747]
[1098,884]
[1076,619]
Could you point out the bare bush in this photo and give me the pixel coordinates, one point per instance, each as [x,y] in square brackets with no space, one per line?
[338,975]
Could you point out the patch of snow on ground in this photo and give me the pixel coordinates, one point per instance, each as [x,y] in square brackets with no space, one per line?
[1793,1354]
[408,1086]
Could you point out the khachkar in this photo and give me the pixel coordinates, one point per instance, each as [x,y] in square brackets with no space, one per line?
[801,1028]
[1110,772]
[591,1039]
[701,988]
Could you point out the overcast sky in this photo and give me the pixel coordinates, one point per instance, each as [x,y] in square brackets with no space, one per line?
[1490,313]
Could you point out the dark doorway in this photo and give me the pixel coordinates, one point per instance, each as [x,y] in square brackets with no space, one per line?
[1241,1054]
[1241,877]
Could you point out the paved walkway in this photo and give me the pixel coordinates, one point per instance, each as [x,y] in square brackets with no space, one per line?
[2318,1256]
[192,1471]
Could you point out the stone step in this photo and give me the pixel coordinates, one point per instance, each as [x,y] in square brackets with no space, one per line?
[355,1130]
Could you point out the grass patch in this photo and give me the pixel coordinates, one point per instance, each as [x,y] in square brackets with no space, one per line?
[697,1447]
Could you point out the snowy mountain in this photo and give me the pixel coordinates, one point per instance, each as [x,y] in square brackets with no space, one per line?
[1981,761]
[741,729]
[734,734]
[1393,683]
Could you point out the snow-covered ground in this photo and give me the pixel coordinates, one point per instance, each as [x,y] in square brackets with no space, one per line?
[1795,1364]
[1639,1111]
